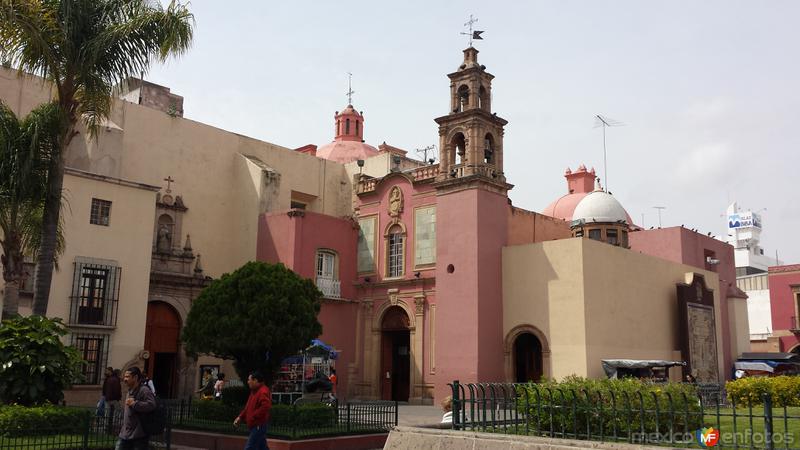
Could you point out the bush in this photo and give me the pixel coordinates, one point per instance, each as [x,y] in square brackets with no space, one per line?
[602,406]
[784,390]
[309,415]
[235,396]
[215,410]
[35,366]
[18,420]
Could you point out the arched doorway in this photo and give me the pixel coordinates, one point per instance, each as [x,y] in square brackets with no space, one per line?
[161,340]
[395,355]
[528,365]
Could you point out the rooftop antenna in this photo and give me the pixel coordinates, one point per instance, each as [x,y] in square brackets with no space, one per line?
[605,122]
[659,208]
[350,90]
[476,35]
[424,153]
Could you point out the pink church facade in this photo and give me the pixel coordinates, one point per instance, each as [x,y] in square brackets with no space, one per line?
[413,282]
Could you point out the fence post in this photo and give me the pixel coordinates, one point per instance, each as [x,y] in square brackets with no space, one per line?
[396,408]
[168,431]
[348,417]
[86,431]
[294,421]
[768,421]
[455,405]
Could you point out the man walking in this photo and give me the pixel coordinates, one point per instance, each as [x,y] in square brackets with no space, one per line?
[112,390]
[140,401]
[256,413]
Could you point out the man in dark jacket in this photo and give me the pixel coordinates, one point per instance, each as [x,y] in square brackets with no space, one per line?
[140,401]
[256,412]
[112,389]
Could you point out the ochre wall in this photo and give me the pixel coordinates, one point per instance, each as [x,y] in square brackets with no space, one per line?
[608,302]
[525,227]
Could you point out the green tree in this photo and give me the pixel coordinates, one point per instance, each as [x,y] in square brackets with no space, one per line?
[35,366]
[84,48]
[256,316]
[27,148]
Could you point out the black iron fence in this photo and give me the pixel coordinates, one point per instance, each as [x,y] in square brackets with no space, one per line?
[293,421]
[654,417]
[97,432]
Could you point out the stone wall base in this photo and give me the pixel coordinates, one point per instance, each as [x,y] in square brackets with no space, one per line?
[214,441]
[410,438]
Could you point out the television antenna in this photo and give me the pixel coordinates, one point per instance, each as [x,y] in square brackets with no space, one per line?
[424,153]
[605,122]
[659,208]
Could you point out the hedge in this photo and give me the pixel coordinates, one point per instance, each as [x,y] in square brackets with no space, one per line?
[575,401]
[235,396]
[749,391]
[16,420]
[309,415]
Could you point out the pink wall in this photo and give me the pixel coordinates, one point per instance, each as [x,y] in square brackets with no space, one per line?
[527,227]
[782,302]
[681,245]
[294,239]
[472,228]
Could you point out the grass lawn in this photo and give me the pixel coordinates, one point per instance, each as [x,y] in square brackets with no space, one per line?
[785,426]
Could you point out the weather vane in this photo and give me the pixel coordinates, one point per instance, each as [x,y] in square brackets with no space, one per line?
[350,90]
[476,35]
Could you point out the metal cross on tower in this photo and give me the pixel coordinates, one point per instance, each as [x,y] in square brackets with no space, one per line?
[350,90]
[169,181]
[472,34]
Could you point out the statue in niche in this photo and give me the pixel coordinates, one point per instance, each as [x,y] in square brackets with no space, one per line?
[164,241]
[395,202]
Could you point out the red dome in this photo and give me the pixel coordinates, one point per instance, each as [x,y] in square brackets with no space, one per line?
[564,206]
[346,151]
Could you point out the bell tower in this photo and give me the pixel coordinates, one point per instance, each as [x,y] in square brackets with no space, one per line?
[471,135]
[471,230]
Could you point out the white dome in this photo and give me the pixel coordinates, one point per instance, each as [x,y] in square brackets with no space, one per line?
[600,207]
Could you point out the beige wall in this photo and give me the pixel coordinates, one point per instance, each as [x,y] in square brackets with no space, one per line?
[126,242]
[618,303]
[739,323]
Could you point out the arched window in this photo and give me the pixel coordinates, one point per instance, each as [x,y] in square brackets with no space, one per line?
[394,254]
[459,146]
[357,128]
[483,99]
[327,274]
[488,149]
[463,98]
[347,126]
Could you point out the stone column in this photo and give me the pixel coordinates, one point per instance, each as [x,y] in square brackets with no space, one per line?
[417,339]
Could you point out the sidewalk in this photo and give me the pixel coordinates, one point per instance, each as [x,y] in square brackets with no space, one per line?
[418,415]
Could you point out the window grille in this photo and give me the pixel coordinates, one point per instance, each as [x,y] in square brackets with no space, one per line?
[101,210]
[95,294]
[395,254]
[93,349]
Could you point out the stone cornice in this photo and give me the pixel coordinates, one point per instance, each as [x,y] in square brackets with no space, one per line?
[785,269]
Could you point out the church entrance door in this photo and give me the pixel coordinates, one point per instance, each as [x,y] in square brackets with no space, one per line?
[161,340]
[395,355]
[527,358]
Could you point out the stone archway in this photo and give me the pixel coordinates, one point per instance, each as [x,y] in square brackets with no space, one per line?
[395,355]
[526,348]
[162,342]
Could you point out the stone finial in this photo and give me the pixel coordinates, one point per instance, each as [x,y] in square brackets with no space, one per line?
[568,171]
[187,248]
[582,168]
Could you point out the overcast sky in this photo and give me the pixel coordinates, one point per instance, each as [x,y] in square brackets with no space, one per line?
[707,91]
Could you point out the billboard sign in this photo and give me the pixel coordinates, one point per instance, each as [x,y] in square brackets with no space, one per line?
[744,220]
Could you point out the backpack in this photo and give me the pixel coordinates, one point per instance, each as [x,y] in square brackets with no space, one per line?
[155,421]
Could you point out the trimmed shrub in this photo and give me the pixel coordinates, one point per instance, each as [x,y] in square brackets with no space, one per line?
[603,406]
[16,420]
[784,390]
[309,415]
[235,396]
[213,410]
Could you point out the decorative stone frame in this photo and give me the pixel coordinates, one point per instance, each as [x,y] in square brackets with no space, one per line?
[508,350]
[385,257]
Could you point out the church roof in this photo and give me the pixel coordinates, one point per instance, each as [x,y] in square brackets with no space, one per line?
[600,207]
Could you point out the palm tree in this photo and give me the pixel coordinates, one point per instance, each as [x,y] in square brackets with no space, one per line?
[84,48]
[27,149]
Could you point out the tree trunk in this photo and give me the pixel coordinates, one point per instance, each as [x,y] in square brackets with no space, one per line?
[10,299]
[47,250]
